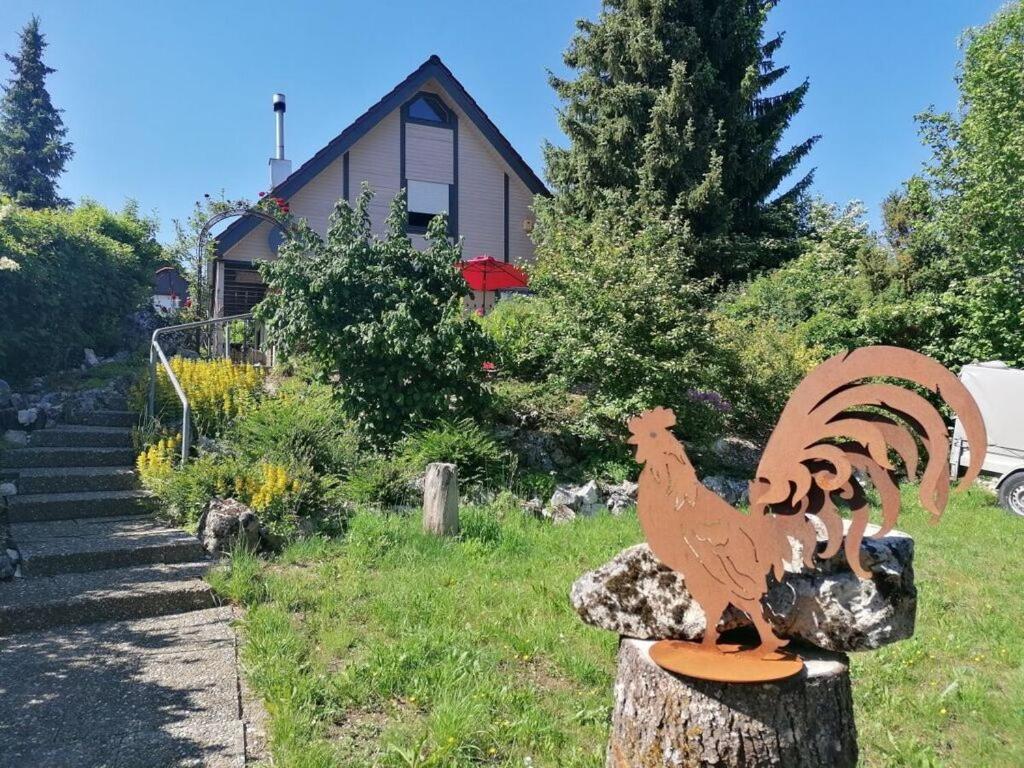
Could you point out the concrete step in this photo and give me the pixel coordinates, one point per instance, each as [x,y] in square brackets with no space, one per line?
[81,436]
[74,479]
[123,593]
[93,544]
[19,458]
[39,507]
[144,693]
[106,419]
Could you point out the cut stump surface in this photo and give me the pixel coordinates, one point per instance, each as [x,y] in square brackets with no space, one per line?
[663,719]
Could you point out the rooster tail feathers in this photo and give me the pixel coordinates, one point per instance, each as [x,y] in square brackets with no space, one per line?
[824,435]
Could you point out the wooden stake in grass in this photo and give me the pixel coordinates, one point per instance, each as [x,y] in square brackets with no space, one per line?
[441,500]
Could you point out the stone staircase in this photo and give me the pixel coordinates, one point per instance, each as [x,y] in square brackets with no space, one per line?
[113,651]
[91,548]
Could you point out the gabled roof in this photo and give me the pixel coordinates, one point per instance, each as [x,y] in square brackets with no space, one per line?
[432,68]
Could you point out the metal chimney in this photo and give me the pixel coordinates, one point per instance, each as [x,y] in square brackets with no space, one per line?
[280,169]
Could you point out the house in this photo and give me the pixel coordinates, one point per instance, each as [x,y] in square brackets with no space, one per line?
[170,290]
[427,136]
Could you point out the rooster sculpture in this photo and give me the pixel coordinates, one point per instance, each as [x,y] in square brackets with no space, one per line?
[834,425]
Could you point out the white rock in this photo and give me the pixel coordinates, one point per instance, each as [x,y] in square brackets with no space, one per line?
[735,492]
[8,489]
[91,360]
[584,500]
[635,595]
[27,417]
[16,437]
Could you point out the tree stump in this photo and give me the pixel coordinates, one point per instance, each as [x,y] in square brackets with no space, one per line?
[441,500]
[662,719]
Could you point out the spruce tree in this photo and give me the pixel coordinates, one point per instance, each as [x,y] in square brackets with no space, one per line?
[669,110]
[32,147]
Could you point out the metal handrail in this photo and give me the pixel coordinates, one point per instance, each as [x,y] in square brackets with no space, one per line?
[156,353]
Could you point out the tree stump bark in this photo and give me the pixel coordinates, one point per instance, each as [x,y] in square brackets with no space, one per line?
[662,719]
[441,500]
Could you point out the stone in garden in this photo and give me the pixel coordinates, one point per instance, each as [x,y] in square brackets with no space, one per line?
[28,416]
[5,394]
[9,561]
[8,489]
[621,497]
[91,360]
[738,454]
[560,514]
[17,437]
[585,500]
[635,595]
[226,523]
[734,491]
[534,507]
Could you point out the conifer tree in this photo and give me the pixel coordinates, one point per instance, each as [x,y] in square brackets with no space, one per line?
[669,109]
[32,146]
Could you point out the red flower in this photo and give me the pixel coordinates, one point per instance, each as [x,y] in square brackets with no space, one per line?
[262,194]
[188,303]
[488,367]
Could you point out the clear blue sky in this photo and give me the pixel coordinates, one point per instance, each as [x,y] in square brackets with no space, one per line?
[167,100]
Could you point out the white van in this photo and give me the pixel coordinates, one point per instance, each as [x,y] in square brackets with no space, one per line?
[999,392]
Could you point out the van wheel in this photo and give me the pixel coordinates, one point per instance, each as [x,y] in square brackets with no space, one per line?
[1011,494]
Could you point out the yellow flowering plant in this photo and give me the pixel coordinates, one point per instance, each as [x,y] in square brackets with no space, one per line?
[218,391]
[156,462]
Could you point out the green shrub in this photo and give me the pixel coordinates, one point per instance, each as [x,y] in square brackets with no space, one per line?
[478,458]
[378,479]
[68,279]
[520,327]
[387,320]
[302,422]
[626,321]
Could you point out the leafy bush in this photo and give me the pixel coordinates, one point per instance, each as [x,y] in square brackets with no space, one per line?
[301,422]
[625,320]
[519,325]
[378,479]
[218,391]
[384,318]
[68,279]
[477,456]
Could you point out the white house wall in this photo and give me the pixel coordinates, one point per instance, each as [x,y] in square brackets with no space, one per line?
[376,159]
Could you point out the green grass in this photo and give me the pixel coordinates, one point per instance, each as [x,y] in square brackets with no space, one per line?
[393,648]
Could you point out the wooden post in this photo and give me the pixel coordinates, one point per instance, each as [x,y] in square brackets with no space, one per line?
[662,719]
[441,500]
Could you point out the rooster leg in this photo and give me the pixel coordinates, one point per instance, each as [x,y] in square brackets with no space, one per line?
[712,613]
[770,642]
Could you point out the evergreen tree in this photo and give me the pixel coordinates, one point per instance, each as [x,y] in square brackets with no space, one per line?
[669,109]
[32,147]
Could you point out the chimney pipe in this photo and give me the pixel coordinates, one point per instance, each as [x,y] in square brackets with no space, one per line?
[280,169]
[279,110]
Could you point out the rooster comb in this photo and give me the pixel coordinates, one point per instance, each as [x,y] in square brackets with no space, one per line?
[653,420]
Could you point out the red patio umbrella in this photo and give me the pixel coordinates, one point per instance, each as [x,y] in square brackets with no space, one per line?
[486,273]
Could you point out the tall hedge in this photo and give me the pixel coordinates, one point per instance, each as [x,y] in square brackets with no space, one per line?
[68,278]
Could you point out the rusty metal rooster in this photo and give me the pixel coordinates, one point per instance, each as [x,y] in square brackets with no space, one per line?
[834,424]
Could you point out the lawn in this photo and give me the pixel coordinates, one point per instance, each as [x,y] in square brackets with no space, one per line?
[392,648]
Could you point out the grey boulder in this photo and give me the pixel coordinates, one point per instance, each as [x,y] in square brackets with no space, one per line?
[636,595]
[584,500]
[735,492]
[228,523]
